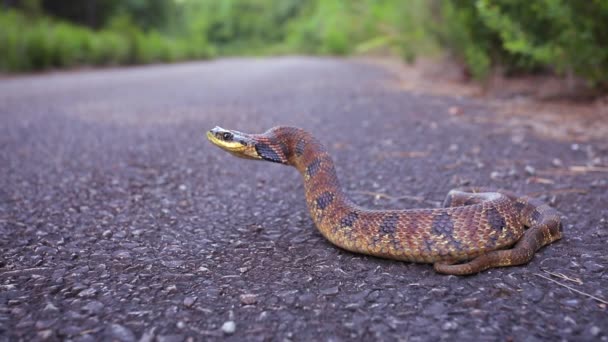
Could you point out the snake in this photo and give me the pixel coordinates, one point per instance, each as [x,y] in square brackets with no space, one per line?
[476,229]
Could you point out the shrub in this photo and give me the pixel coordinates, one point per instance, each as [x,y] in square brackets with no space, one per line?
[39,43]
[564,36]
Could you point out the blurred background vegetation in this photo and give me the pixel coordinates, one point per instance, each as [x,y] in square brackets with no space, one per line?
[567,37]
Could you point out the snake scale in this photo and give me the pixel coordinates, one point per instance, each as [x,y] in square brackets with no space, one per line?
[476,229]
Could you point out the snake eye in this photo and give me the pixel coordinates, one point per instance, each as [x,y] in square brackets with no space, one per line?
[227,136]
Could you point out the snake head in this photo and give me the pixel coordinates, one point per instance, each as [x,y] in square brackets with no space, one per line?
[237,143]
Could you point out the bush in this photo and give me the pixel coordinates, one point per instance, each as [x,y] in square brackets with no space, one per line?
[40,43]
[564,36]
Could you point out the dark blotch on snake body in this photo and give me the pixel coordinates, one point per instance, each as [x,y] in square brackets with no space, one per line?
[300,145]
[267,152]
[443,225]
[349,220]
[389,224]
[495,220]
[324,200]
[313,167]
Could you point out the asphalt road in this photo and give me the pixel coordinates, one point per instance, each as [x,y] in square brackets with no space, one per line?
[119,221]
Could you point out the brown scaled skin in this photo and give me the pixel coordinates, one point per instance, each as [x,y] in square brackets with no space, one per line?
[473,232]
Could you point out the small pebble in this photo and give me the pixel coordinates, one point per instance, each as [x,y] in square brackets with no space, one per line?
[50,307]
[229,327]
[330,291]
[248,299]
[530,170]
[449,326]
[122,254]
[496,175]
[455,110]
[87,293]
[189,301]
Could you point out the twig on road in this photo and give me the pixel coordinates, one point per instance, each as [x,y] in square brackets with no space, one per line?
[565,277]
[559,191]
[573,289]
[24,272]
[573,170]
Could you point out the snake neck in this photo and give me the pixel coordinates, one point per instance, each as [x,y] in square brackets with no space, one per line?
[298,148]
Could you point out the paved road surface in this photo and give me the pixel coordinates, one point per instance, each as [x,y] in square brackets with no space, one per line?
[118,220]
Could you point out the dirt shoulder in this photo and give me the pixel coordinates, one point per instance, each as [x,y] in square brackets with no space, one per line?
[553,107]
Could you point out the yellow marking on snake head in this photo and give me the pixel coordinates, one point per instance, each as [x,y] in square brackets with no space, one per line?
[236,143]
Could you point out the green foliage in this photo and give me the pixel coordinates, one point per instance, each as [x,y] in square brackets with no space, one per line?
[565,36]
[561,35]
[343,26]
[42,43]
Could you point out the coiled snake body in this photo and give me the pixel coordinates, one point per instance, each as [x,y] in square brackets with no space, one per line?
[471,233]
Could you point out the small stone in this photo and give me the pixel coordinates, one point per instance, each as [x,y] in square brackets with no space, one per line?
[530,169]
[121,333]
[570,320]
[557,162]
[243,269]
[90,292]
[248,299]
[171,288]
[496,175]
[122,254]
[229,327]
[478,313]
[449,326]
[330,291]
[180,325]
[455,110]
[106,234]
[571,302]
[50,307]
[575,147]
[594,330]
[189,301]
